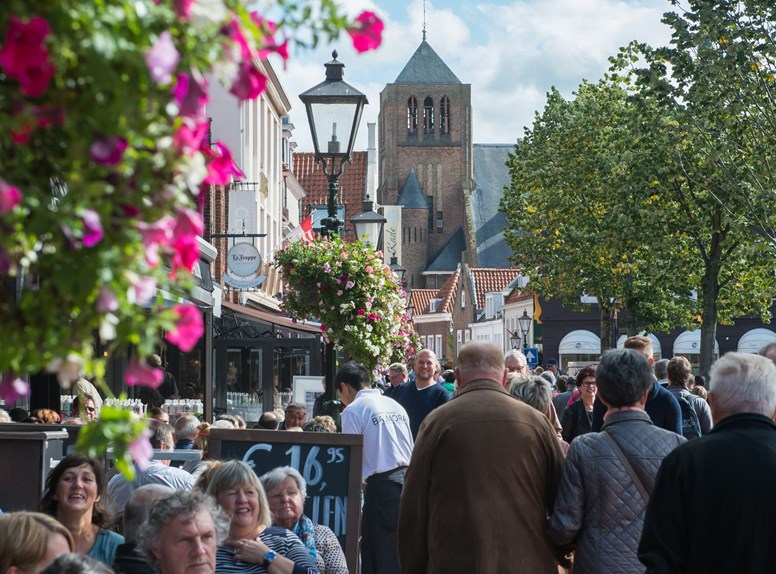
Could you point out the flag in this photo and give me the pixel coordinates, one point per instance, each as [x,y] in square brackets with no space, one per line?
[304,231]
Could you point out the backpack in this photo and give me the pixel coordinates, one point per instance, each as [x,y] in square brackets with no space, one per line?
[691,426]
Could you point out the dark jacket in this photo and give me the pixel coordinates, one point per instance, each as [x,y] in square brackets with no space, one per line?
[575,421]
[661,407]
[419,403]
[128,561]
[599,508]
[712,509]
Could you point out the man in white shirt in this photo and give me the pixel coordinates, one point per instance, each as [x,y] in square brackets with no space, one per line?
[388,443]
[158,471]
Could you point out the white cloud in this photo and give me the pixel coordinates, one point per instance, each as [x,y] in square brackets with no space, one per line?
[511,52]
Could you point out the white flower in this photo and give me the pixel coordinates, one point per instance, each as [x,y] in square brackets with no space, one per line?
[108,327]
[207,12]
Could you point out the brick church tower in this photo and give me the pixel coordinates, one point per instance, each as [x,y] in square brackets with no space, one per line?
[425,163]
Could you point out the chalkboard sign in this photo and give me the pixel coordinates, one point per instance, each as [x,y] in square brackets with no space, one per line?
[330,464]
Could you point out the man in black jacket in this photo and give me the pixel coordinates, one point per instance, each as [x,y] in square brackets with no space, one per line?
[127,560]
[712,508]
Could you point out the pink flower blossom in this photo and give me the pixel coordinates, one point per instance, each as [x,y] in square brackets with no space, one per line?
[142,374]
[279,49]
[350,285]
[372,316]
[222,166]
[162,58]
[93,232]
[188,223]
[361,312]
[367,34]
[142,289]
[326,267]
[182,8]
[107,301]
[10,197]
[188,329]
[190,95]
[24,56]
[250,83]
[238,36]
[141,450]
[186,253]
[368,269]
[192,135]
[108,150]
[267,27]
[12,387]
[158,232]
[340,293]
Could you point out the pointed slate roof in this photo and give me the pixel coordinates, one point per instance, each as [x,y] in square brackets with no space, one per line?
[490,176]
[411,196]
[426,67]
[450,256]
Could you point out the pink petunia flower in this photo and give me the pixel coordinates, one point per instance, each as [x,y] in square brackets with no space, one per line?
[10,197]
[188,223]
[108,150]
[93,232]
[192,135]
[183,8]
[222,166]
[190,95]
[188,329]
[350,285]
[162,58]
[141,289]
[250,83]
[144,375]
[361,312]
[24,56]
[279,49]
[107,301]
[12,387]
[367,34]
[186,253]
[141,450]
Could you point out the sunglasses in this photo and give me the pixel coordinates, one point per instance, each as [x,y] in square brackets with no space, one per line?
[90,409]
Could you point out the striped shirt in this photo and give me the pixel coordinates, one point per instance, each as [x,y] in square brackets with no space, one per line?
[280,540]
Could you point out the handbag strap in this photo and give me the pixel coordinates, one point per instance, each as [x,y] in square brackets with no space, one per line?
[628,467]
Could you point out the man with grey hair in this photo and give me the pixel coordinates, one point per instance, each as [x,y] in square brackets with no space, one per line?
[185,431]
[515,362]
[453,461]
[769,351]
[397,374]
[127,560]
[182,533]
[725,478]
[296,416]
[661,372]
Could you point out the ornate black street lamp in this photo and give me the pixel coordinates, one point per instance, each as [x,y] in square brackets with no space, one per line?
[525,326]
[334,112]
[515,338]
[368,224]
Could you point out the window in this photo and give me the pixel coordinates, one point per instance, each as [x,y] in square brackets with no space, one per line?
[438,344]
[412,115]
[444,116]
[439,222]
[428,115]
[434,305]
[463,299]
[430,203]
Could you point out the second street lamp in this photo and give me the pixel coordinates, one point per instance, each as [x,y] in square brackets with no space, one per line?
[525,326]
[334,110]
[369,224]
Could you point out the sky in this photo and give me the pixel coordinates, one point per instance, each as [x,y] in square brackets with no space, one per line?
[512,52]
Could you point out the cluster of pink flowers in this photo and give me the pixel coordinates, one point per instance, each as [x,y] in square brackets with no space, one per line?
[24,56]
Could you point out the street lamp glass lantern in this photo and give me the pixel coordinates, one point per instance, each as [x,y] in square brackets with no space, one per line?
[525,323]
[369,224]
[334,110]
[397,269]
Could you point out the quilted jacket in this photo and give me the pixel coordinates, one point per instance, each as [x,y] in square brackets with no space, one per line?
[598,508]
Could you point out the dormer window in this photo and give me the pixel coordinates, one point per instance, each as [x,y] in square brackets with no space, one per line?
[434,305]
[412,115]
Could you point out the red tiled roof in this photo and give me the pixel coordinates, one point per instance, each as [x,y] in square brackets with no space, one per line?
[447,293]
[517,295]
[352,184]
[420,298]
[490,280]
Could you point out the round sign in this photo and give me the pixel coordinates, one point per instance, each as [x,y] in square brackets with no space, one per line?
[243,259]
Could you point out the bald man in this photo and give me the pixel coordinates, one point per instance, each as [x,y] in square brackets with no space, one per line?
[485,466]
[424,394]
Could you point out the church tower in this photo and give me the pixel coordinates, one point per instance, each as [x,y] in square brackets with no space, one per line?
[425,161]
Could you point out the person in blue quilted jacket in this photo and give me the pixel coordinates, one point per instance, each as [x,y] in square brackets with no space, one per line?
[608,476]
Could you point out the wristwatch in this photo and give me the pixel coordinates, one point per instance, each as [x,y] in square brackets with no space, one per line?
[269,557]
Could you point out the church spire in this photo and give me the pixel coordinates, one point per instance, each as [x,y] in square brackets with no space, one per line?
[424,20]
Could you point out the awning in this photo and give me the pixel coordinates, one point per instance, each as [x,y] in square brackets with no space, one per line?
[754,340]
[271,318]
[580,342]
[689,343]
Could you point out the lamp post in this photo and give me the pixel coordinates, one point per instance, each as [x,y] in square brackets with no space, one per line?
[525,326]
[334,112]
[515,338]
[368,224]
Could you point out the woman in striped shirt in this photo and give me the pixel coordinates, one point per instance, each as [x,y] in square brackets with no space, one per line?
[253,546]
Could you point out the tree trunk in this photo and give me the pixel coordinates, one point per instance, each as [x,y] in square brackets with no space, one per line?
[605,322]
[710,292]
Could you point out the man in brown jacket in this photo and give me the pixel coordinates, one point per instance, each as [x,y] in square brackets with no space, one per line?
[482,479]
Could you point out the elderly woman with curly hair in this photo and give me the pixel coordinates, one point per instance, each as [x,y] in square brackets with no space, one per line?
[254,546]
[287,491]
[72,495]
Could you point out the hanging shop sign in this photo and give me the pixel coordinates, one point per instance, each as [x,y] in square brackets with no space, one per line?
[243,261]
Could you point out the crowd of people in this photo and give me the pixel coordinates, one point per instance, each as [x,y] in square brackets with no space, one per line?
[630,465]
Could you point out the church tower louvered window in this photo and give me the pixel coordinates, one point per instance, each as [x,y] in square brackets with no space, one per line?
[428,115]
[412,115]
[444,116]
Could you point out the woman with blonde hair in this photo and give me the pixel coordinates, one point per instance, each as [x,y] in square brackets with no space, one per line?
[30,541]
[253,545]
[47,416]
